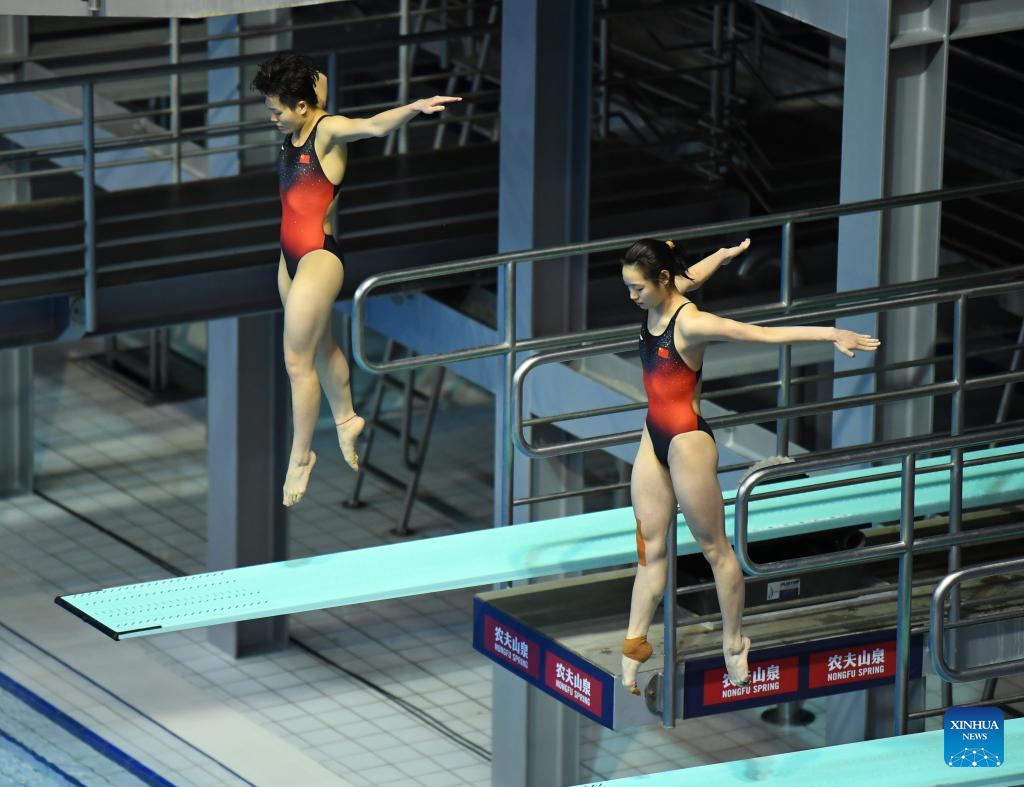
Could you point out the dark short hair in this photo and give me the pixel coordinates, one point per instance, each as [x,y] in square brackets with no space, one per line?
[291,78]
[653,256]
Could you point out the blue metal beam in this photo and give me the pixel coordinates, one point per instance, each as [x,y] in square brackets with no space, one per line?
[827,15]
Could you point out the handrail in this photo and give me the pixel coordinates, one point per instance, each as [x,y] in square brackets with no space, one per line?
[119,75]
[904,549]
[866,454]
[780,412]
[245,101]
[545,254]
[262,31]
[937,628]
[164,138]
[90,149]
[741,390]
[768,495]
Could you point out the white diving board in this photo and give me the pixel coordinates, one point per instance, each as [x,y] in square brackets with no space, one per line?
[528,551]
[901,761]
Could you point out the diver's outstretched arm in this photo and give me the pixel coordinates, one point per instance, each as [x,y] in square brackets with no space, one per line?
[701,271]
[704,326]
[344,129]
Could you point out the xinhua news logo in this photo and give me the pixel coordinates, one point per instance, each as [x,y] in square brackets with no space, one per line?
[973,737]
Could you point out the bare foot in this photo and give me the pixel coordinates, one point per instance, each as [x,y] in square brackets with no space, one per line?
[736,662]
[296,480]
[348,432]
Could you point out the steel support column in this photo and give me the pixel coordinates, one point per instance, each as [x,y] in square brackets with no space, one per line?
[13,47]
[914,162]
[16,443]
[543,200]
[16,436]
[894,109]
[862,176]
[247,411]
[545,176]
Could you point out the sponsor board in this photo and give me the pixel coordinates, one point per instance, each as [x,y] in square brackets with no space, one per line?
[839,666]
[543,663]
[767,679]
[515,649]
[580,687]
[802,671]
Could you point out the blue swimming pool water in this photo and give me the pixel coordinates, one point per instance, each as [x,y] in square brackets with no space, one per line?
[41,746]
[21,766]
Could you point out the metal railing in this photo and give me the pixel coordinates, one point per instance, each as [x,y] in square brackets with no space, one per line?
[731,227]
[510,344]
[904,549]
[91,149]
[938,627]
[175,69]
[785,411]
[716,43]
[796,311]
[956,387]
[716,229]
[262,31]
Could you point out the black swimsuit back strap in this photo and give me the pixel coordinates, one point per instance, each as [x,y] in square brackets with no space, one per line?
[310,137]
[312,134]
[674,315]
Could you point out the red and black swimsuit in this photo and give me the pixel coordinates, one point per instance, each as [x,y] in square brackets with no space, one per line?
[306,193]
[670,384]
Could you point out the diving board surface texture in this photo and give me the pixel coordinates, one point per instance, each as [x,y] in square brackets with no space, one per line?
[527,551]
[901,761]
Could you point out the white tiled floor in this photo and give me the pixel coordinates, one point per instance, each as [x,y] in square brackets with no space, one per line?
[140,473]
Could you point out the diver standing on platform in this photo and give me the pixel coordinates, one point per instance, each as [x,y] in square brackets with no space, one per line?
[677,461]
[311,165]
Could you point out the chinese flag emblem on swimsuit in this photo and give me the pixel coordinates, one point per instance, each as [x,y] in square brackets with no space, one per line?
[663,352]
[304,158]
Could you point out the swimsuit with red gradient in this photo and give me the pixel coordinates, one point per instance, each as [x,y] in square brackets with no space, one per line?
[670,384]
[306,193]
